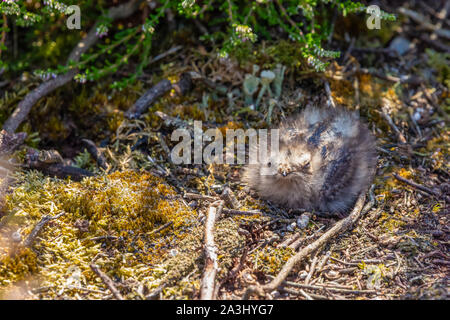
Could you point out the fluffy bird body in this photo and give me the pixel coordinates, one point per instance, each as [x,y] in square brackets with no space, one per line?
[326,159]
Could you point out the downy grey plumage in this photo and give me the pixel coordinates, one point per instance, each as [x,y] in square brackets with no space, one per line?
[327,158]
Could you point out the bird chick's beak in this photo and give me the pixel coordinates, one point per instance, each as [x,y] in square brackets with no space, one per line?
[284,170]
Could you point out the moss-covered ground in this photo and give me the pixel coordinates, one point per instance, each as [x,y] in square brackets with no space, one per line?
[398,250]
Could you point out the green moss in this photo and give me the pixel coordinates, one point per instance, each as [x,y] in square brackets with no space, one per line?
[127,206]
[270,260]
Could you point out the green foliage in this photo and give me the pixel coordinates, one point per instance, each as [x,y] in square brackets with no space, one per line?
[236,23]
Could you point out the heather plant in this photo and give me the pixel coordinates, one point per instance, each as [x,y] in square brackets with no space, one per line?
[41,27]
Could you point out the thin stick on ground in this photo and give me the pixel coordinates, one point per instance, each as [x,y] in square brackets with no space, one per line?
[419,18]
[37,229]
[411,79]
[391,123]
[196,196]
[328,91]
[61,170]
[308,296]
[324,260]
[95,153]
[107,281]
[242,212]
[164,226]
[157,91]
[208,284]
[24,107]
[327,287]
[312,269]
[337,229]
[165,54]
[155,294]
[230,199]
[417,186]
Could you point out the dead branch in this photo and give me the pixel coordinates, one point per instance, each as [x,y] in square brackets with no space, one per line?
[95,153]
[391,123]
[329,96]
[238,212]
[165,54]
[220,89]
[154,295]
[164,226]
[107,281]
[62,171]
[23,108]
[149,97]
[230,199]
[157,91]
[207,288]
[296,244]
[164,145]
[410,79]
[418,186]
[195,196]
[289,240]
[112,238]
[308,296]
[337,229]
[432,99]
[417,17]
[37,229]
[312,269]
[323,261]
[326,287]
[174,122]
[435,43]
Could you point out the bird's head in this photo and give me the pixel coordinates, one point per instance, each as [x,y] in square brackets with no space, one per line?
[288,164]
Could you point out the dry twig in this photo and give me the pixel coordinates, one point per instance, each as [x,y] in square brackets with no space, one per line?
[230,199]
[419,186]
[157,91]
[107,281]
[208,284]
[327,287]
[37,229]
[391,123]
[417,17]
[164,226]
[95,153]
[328,91]
[337,229]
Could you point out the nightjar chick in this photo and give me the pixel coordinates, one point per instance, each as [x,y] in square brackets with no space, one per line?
[326,158]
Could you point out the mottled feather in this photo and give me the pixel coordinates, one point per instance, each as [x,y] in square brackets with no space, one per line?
[327,157]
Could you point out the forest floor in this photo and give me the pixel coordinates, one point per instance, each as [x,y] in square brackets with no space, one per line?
[140,221]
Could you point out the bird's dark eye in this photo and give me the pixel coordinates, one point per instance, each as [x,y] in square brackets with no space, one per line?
[269,164]
[306,166]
